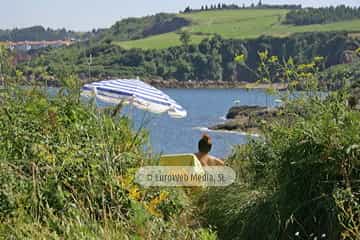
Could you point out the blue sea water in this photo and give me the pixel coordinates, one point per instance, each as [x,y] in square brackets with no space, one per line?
[206,107]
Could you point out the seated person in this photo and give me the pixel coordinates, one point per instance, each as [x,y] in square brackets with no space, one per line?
[203,155]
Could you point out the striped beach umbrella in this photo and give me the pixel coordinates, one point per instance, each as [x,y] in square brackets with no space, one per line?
[135,92]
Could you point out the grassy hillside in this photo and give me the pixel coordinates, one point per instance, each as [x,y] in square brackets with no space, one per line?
[243,23]
[138,28]
[158,41]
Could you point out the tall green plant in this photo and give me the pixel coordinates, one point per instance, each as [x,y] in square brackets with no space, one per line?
[66,171]
[289,180]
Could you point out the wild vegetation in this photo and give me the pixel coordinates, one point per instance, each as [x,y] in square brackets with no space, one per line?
[307,16]
[67,171]
[67,168]
[212,59]
[301,180]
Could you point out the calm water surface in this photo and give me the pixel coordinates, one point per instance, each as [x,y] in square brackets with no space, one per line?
[205,107]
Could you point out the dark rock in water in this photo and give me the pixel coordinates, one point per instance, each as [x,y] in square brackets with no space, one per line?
[246,111]
[229,126]
[247,118]
[237,125]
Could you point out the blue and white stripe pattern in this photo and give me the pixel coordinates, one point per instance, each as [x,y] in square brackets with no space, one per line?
[135,92]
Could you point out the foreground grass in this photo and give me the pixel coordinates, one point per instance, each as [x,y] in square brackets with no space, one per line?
[67,170]
[238,24]
[300,182]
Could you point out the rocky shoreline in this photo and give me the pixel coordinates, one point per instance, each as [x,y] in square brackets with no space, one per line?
[247,119]
[212,84]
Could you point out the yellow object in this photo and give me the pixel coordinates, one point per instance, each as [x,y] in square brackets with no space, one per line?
[182,160]
[185,159]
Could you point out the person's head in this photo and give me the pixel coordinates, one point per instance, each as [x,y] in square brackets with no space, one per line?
[205,144]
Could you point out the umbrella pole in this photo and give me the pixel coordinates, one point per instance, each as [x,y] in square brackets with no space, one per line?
[117,109]
[141,127]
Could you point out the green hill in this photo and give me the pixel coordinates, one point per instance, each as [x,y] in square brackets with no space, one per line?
[239,24]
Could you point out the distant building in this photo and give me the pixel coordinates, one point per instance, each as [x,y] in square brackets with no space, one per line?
[29,45]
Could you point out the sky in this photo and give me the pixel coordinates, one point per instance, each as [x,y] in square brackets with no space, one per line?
[85,15]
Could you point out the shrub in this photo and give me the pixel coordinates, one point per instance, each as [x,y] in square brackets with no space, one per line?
[289,182]
[66,172]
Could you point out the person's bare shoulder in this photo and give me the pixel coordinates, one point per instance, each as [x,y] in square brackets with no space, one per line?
[216,161]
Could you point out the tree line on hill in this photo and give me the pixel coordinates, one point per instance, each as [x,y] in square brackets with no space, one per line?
[223,6]
[308,16]
[136,28]
[212,59]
